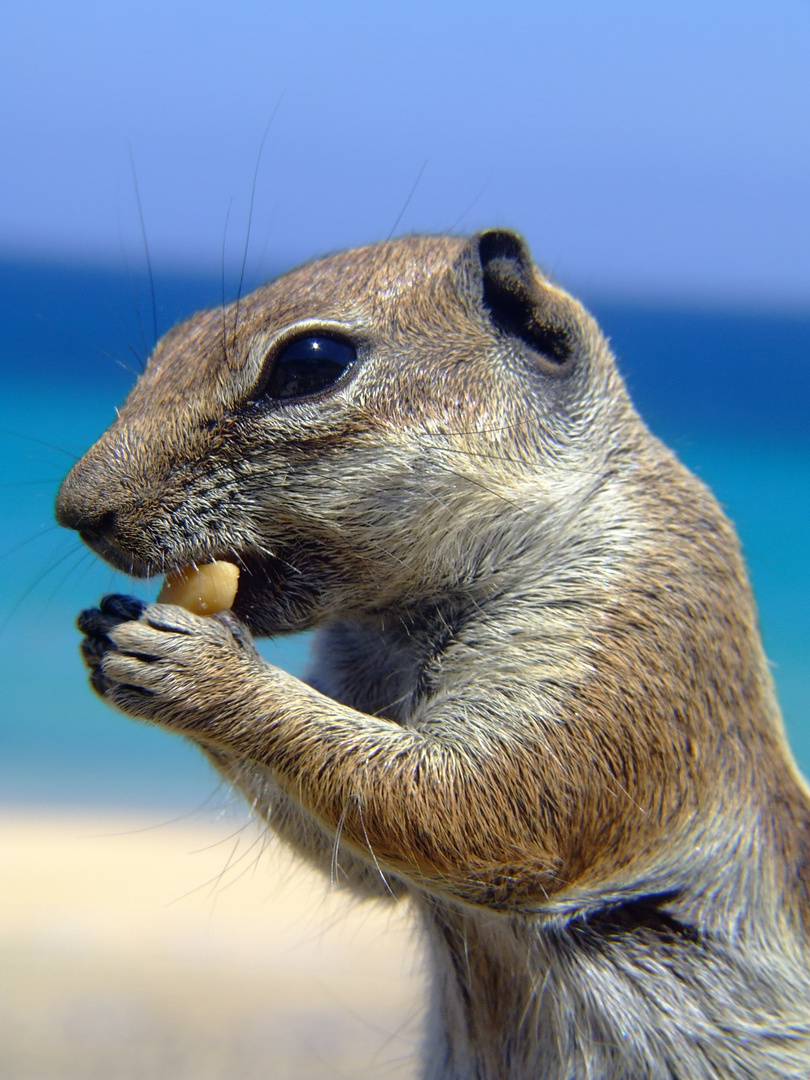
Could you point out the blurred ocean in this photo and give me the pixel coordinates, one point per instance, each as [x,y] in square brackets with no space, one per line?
[730,391]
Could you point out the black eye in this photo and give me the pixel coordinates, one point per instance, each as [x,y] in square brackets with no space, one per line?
[308,365]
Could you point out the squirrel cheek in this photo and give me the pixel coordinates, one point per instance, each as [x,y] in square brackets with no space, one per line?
[204,590]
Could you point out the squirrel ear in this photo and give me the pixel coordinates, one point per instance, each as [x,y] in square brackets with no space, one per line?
[516,301]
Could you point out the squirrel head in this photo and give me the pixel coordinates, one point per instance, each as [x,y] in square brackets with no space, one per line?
[358,432]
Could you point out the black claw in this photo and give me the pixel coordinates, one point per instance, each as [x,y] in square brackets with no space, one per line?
[137,691]
[93,650]
[114,609]
[122,607]
[99,682]
[159,620]
[144,657]
[240,632]
[94,623]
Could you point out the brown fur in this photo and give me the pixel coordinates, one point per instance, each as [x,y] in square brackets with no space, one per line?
[540,705]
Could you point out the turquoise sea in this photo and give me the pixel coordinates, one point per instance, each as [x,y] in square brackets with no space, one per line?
[729,390]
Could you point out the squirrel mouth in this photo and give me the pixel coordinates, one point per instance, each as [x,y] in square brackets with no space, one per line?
[254,590]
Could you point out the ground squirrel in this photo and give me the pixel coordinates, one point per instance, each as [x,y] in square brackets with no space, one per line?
[539,704]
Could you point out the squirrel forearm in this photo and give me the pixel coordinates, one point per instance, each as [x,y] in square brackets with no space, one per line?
[478,817]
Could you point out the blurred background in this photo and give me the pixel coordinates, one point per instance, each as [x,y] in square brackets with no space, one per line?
[656,156]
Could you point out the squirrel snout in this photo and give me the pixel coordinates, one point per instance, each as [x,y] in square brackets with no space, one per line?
[93,495]
[82,507]
[96,499]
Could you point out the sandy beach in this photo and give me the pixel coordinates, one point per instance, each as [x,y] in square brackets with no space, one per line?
[134,947]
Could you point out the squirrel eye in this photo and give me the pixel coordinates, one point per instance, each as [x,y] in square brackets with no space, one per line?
[309,365]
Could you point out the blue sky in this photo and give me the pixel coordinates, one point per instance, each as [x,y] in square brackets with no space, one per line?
[646,149]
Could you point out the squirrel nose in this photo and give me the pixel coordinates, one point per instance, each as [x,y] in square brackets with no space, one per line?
[94,530]
[67,510]
[79,507]
[93,504]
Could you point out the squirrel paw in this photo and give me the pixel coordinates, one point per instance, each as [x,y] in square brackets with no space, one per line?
[159,662]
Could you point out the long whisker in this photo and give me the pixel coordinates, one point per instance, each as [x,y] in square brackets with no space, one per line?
[218,885]
[40,442]
[122,365]
[28,540]
[53,481]
[234,833]
[34,584]
[473,454]
[250,211]
[216,880]
[470,205]
[441,502]
[500,429]
[205,806]
[379,546]
[133,292]
[261,260]
[87,557]
[145,245]
[224,242]
[334,865]
[407,201]
[371,849]
[461,452]
[483,487]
